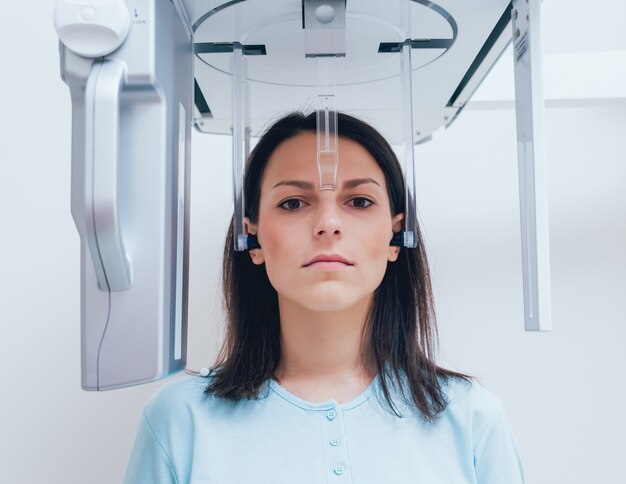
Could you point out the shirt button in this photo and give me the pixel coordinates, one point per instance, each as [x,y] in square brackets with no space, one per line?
[331,414]
[338,470]
[334,442]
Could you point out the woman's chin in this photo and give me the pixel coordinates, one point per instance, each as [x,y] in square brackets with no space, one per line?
[330,299]
[329,306]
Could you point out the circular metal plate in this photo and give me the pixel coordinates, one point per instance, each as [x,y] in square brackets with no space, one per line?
[278,26]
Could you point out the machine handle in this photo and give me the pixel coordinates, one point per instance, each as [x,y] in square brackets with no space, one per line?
[102,102]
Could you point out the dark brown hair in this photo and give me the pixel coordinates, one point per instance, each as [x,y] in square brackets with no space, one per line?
[400,335]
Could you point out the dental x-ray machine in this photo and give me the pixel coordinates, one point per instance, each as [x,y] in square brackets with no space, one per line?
[141,73]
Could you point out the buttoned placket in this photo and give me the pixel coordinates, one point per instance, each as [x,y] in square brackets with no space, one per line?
[331,418]
[335,448]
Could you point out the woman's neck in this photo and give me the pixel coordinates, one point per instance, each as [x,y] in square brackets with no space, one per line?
[322,348]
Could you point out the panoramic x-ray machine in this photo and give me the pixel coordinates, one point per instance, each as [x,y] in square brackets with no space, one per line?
[141,73]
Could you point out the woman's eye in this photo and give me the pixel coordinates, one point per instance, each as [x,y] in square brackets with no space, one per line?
[361,202]
[291,204]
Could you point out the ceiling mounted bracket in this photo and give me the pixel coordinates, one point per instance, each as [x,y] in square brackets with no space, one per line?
[324,23]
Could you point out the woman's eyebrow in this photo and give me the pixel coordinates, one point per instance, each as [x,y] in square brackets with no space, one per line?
[358,181]
[305,185]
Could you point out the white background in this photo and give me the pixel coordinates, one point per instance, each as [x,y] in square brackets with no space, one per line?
[564,392]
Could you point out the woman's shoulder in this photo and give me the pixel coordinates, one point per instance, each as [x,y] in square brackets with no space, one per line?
[182,389]
[470,400]
[470,395]
[476,415]
[471,406]
[177,400]
[184,399]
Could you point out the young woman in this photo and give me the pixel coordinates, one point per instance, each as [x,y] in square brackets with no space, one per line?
[327,373]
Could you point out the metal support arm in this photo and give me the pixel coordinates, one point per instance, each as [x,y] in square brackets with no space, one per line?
[533,188]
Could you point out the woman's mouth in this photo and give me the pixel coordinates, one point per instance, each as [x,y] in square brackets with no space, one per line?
[328,265]
[328,262]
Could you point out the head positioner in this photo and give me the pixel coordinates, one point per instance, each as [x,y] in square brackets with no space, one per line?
[324,24]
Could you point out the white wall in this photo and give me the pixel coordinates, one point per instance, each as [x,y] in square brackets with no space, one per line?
[564,391]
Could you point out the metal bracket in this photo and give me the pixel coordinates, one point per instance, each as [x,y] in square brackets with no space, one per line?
[533,188]
[410,212]
[222,47]
[240,145]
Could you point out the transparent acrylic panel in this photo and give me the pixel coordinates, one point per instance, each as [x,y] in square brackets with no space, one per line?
[327,147]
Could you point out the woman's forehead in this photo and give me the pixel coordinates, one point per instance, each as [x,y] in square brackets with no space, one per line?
[296,159]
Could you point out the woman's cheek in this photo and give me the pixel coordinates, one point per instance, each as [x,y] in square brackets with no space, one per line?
[280,256]
[381,252]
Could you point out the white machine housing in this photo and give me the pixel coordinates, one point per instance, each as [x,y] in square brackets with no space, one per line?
[142,72]
[131,129]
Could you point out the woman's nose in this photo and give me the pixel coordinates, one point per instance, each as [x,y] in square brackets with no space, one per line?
[328,221]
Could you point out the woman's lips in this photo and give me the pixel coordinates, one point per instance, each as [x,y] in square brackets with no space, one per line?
[328,258]
[328,265]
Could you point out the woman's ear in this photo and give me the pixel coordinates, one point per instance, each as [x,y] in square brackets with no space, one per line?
[396,226]
[255,254]
[396,222]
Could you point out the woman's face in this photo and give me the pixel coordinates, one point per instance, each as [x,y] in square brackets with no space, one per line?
[299,223]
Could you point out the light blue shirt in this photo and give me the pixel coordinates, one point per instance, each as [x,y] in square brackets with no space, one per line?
[186,436]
